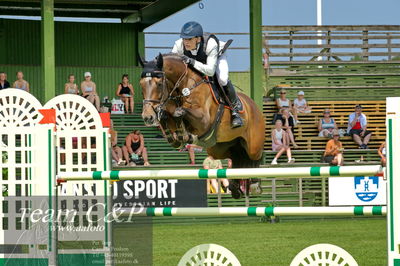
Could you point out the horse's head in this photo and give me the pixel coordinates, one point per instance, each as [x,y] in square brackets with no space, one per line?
[158,80]
[153,85]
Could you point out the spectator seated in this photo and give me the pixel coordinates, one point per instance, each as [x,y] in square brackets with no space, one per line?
[307,132]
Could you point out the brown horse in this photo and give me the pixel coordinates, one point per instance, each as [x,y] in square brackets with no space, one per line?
[191,118]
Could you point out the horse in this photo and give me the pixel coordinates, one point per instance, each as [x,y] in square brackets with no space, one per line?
[178,99]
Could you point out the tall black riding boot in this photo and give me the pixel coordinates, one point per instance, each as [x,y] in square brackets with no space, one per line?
[234,104]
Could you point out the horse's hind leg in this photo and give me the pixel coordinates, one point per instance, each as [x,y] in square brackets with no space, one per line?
[223,151]
[241,159]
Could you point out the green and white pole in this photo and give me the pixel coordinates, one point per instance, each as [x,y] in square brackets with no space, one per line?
[393,178]
[256,211]
[293,172]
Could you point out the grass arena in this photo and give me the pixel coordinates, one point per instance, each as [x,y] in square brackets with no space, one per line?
[294,161]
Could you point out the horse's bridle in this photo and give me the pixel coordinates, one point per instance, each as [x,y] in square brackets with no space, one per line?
[165,96]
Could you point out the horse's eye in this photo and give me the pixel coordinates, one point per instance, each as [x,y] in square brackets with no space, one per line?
[159,85]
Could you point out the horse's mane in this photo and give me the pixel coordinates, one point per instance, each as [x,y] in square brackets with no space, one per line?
[173,56]
[151,66]
[179,58]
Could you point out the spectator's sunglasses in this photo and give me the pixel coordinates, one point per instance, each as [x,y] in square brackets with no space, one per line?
[283,92]
[327,112]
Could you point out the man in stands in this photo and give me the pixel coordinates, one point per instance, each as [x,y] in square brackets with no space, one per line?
[357,128]
[4,84]
[203,53]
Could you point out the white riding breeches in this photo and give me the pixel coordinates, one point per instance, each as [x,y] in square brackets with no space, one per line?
[222,70]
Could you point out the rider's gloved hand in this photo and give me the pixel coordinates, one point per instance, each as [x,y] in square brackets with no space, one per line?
[188,60]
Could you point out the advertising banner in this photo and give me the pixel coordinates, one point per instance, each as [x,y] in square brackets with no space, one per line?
[358,190]
[160,193]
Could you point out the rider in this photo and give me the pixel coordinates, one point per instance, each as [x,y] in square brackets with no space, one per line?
[203,53]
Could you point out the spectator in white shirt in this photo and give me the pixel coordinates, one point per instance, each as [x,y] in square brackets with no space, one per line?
[357,128]
[300,106]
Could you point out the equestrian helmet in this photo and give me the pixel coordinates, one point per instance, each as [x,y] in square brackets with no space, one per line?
[191,29]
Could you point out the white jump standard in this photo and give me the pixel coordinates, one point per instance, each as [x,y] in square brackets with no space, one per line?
[294,172]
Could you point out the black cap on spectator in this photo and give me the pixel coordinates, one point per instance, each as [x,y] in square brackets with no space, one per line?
[358,106]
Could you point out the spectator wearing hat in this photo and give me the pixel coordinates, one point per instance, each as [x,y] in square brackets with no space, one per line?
[88,88]
[4,84]
[300,106]
[334,150]
[357,128]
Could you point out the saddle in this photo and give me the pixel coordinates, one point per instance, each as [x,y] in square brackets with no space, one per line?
[219,94]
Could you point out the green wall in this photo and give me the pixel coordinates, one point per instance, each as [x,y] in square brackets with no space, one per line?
[77,44]
[242,81]
[107,50]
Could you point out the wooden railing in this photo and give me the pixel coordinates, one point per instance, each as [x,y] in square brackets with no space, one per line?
[339,43]
[363,60]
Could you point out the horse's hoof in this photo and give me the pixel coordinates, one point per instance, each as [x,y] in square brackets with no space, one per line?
[236,192]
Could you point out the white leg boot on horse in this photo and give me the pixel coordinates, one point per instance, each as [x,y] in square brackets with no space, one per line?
[235,105]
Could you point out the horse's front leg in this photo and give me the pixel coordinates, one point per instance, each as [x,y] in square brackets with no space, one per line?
[170,129]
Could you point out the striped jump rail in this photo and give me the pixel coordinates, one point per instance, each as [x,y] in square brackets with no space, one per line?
[293,172]
[256,211]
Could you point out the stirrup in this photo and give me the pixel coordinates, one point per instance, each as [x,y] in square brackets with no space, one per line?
[236,120]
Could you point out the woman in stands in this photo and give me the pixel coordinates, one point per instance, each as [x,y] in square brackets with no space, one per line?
[212,184]
[116,151]
[334,150]
[283,102]
[125,92]
[20,83]
[288,126]
[382,153]
[70,87]
[326,125]
[88,88]
[134,148]
[280,143]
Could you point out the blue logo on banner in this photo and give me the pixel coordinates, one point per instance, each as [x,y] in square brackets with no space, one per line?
[366,187]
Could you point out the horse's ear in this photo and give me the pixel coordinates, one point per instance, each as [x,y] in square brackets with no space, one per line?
[160,61]
[141,60]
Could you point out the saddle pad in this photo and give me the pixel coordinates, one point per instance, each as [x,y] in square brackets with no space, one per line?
[215,90]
